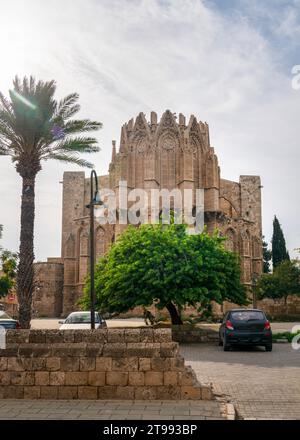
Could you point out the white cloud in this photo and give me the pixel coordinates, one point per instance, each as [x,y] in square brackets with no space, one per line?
[124,57]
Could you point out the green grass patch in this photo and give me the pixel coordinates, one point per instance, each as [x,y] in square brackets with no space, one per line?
[285,335]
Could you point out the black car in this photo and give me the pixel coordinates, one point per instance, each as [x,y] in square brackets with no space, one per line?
[245,327]
[7,322]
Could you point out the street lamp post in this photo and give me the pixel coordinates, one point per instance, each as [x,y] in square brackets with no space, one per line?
[94,201]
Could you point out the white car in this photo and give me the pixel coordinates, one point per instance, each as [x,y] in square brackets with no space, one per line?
[81,320]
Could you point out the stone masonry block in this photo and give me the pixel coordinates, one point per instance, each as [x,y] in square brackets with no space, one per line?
[34,364]
[48,392]
[76,378]
[67,392]
[177,364]
[96,378]
[53,364]
[154,378]
[15,364]
[160,364]
[32,392]
[87,392]
[17,336]
[206,393]
[144,364]
[13,392]
[95,336]
[94,349]
[142,349]
[162,335]
[69,364]
[116,378]
[37,337]
[190,392]
[107,392]
[125,364]
[3,364]
[136,378]
[146,335]
[145,393]
[169,349]
[116,335]
[132,335]
[5,378]
[125,393]
[35,350]
[57,378]
[103,364]
[115,349]
[169,392]
[170,378]
[66,349]
[87,364]
[21,378]
[188,377]
[42,378]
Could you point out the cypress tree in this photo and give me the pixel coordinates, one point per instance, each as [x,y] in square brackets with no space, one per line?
[279,251]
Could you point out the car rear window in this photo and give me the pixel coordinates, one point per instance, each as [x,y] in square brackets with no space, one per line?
[247,315]
[81,318]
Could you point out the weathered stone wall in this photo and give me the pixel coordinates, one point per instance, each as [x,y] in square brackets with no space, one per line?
[99,364]
[188,333]
[277,307]
[47,295]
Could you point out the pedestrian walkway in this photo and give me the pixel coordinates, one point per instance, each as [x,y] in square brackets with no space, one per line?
[109,410]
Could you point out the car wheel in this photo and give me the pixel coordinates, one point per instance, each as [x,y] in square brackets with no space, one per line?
[269,347]
[226,347]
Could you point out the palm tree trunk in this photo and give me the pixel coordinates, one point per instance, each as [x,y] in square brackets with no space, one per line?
[25,275]
[175,317]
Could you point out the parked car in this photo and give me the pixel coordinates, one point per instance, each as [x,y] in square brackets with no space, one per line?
[245,327]
[7,322]
[81,320]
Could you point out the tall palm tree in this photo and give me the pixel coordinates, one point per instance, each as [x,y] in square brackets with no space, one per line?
[35,127]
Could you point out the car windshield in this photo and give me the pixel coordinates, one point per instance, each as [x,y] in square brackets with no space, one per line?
[81,318]
[4,315]
[247,315]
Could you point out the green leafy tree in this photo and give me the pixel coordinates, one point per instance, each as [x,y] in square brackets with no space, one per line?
[284,281]
[166,266]
[8,261]
[267,257]
[8,268]
[35,127]
[279,251]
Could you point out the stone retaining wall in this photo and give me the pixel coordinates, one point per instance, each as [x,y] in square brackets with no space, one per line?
[187,334]
[96,364]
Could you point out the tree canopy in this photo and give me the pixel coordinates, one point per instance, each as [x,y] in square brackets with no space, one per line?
[279,251]
[284,281]
[164,265]
[8,269]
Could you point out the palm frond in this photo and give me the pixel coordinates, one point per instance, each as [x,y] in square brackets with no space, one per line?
[68,158]
[64,106]
[81,125]
[78,145]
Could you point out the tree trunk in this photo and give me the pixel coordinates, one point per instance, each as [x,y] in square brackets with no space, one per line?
[175,317]
[25,275]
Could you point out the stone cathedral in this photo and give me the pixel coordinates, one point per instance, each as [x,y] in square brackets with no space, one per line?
[168,153]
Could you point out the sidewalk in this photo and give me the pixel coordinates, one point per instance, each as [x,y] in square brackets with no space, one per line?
[109,410]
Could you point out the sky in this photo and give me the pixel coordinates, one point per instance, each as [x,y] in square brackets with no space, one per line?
[227,62]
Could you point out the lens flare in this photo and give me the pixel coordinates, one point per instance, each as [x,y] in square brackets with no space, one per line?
[24,100]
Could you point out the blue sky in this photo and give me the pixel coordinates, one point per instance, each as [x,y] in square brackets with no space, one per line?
[227,62]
